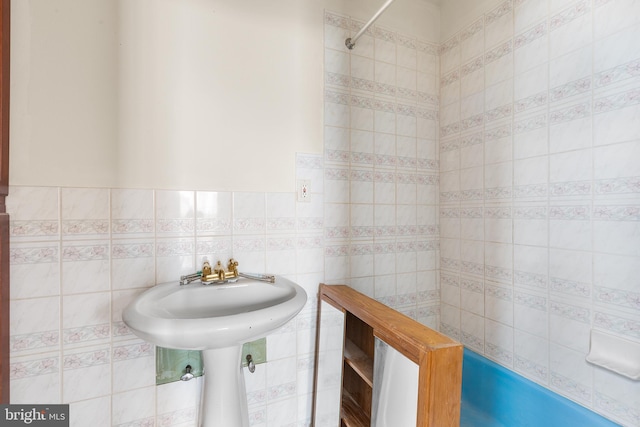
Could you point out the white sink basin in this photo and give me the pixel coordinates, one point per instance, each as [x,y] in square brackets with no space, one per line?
[216,319]
[200,317]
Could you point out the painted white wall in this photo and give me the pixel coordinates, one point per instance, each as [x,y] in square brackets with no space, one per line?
[63,95]
[171,94]
[456,14]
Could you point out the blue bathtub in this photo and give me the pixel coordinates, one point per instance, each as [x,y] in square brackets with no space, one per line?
[493,396]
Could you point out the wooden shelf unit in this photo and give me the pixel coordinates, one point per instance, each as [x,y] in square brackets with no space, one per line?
[438,357]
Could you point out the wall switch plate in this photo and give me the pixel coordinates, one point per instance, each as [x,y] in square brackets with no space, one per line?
[304,190]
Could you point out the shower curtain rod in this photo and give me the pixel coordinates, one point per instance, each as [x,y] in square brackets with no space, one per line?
[351,41]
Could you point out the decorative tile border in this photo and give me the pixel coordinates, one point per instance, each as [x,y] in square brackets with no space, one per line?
[572,312]
[472,66]
[448,280]
[567,114]
[619,297]
[84,227]
[208,225]
[472,285]
[450,264]
[497,213]
[494,134]
[534,369]
[85,253]
[472,213]
[312,242]
[39,255]
[614,406]
[336,97]
[450,330]
[498,353]
[570,213]
[450,78]
[533,280]
[450,213]
[616,213]
[472,29]
[569,386]
[471,340]
[618,185]
[472,268]
[179,417]
[128,226]
[576,188]
[569,287]
[497,193]
[344,81]
[535,212]
[336,20]
[33,228]
[617,74]
[617,324]
[32,368]
[449,129]
[281,390]
[46,339]
[529,36]
[120,329]
[471,140]
[532,301]
[573,88]
[336,233]
[86,333]
[174,225]
[472,122]
[498,293]
[282,223]
[449,45]
[498,52]
[427,245]
[498,12]
[472,194]
[616,101]
[86,359]
[530,124]
[132,351]
[532,190]
[530,102]
[131,250]
[568,15]
[336,251]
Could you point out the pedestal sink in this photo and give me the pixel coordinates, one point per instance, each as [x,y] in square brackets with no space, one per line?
[216,319]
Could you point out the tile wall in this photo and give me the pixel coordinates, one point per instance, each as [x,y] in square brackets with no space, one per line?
[381,168]
[79,255]
[488,185]
[540,191]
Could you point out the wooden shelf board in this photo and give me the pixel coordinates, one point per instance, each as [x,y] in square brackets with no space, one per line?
[359,361]
[353,415]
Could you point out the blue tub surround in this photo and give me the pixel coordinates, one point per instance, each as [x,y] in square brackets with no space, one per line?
[493,396]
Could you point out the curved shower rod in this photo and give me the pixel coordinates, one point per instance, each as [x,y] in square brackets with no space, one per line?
[351,41]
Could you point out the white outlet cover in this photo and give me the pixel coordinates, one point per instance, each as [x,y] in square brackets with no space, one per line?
[303,190]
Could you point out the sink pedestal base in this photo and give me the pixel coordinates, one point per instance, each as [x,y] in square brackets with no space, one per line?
[224,398]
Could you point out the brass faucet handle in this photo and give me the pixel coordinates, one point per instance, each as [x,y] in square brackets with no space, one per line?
[232,267]
[206,269]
